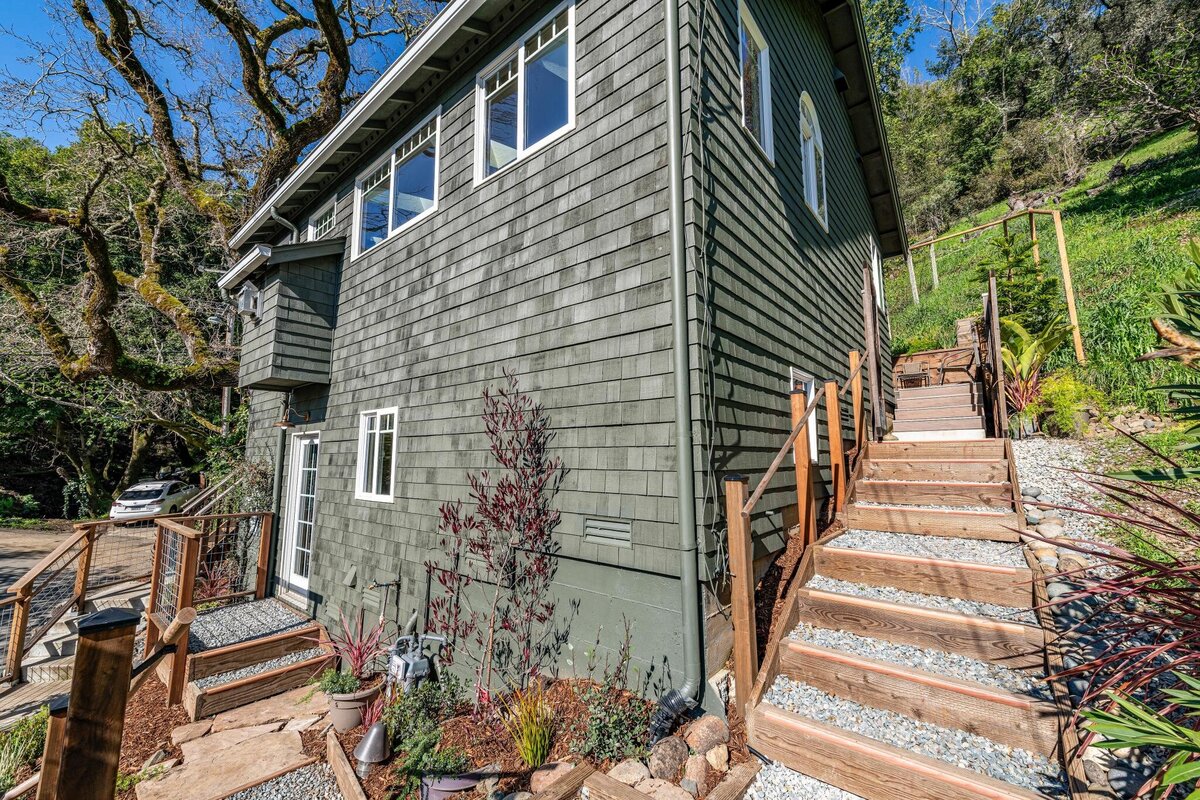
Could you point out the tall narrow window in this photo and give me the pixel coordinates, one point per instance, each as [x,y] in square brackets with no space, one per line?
[320,224]
[755,67]
[399,189]
[876,272]
[376,451]
[798,380]
[528,98]
[813,155]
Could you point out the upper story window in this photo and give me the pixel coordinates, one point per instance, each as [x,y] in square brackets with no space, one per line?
[756,81]
[813,155]
[376,454]
[320,224]
[877,272]
[398,189]
[526,99]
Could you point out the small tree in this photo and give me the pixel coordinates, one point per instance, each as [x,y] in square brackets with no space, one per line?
[1024,291]
[503,547]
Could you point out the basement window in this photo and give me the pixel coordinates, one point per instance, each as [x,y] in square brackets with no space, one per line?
[755,65]
[399,189]
[526,98]
[376,454]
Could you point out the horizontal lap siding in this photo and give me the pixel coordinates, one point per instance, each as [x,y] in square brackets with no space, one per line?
[556,270]
[782,291]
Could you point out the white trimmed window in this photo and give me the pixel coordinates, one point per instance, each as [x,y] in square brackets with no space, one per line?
[526,98]
[798,379]
[320,224]
[812,153]
[399,189]
[755,64]
[876,272]
[376,454]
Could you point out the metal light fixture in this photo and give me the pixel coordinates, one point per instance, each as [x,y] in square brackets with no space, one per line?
[286,422]
[372,750]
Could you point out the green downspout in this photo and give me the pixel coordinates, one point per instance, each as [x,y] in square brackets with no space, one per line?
[685,475]
[277,496]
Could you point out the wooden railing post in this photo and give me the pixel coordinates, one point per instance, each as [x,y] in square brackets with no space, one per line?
[52,753]
[95,718]
[805,510]
[189,565]
[83,569]
[856,400]
[152,600]
[837,456]
[16,635]
[741,572]
[264,554]
[177,634]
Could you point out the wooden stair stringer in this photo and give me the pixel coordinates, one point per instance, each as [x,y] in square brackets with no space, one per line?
[872,769]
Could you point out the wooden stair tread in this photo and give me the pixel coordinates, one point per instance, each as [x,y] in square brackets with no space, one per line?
[941,423]
[865,766]
[950,493]
[1016,720]
[967,523]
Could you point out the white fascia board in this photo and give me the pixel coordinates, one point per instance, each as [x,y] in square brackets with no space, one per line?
[439,31]
[257,256]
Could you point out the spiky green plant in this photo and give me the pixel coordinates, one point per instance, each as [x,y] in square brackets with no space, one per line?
[529,720]
[1023,355]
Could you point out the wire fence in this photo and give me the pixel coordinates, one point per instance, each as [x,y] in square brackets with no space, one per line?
[229,556]
[52,591]
[8,606]
[170,560]
[121,553]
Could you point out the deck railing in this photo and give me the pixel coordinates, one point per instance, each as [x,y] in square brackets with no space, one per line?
[110,552]
[740,502]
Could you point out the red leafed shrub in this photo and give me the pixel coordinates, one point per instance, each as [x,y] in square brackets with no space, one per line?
[358,646]
[500,553]
[1145,596]
[214,580]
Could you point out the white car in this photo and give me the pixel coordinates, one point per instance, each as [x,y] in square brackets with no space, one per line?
[151,497]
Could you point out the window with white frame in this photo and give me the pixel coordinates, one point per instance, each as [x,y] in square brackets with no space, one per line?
[812,153]
[399,189]
[320,224]
[756,81]
[527,98]
[802,381]
[376,454]
[876,272]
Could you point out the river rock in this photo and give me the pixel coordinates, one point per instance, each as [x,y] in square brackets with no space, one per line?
[718,757]
[667,757]
[629,772]
[707,732]
[695,776]
[548,773]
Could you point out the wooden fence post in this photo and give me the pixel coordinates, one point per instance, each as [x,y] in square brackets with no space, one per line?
[95,719]
[1068,287]
[805,511]
[741,572]
[933,264]
[177,634]
[264,555]
[16,636]
[83,569]
[1037,250]
[912,277]
[52,752]
[856,400]
[837,456]
[189,565]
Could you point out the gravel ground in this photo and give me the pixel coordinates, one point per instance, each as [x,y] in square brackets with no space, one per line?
[1044,464]
[951,665]
[256,669]
[979,551]
[314,782]
[891,595]
[241,622]
[927,506]
[966,750]
[775,782]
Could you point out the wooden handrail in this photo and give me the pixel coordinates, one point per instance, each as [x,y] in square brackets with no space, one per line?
[175,526]
[779,457]
[21,584]
[850,378]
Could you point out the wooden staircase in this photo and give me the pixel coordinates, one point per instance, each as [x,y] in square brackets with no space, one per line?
[952,411]
[919,609]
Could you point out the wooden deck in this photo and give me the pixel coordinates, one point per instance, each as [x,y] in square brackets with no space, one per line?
[22,699]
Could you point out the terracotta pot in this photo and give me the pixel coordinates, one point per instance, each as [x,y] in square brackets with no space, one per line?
[441,787]
[346,710]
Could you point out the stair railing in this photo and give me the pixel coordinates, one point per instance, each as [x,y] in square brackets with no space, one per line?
[740,504]
[994,383]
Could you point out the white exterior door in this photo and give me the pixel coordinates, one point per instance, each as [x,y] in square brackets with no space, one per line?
[302,513]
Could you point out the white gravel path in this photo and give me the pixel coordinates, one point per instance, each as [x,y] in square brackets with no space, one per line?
[928,506]
[962,749]
[777,782]
[1045,464]
[952,665]
[892,595]
[241,622]
[979,551]
[258,669]
[314,782]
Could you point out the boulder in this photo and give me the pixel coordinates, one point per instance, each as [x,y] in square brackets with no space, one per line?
[695,775]
[667,757]
[548,773]
[707,732]
[718,757]
[629,772]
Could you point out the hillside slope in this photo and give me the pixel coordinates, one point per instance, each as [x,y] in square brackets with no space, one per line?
[1122,242]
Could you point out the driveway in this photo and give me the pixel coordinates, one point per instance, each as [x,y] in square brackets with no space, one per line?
[20,549]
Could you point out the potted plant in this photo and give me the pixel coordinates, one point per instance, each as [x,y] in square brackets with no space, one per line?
[356,685]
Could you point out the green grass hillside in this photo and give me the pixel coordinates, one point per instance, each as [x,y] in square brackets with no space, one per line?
[1122,243]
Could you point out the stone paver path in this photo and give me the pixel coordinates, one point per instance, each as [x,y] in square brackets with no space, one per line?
[239,748]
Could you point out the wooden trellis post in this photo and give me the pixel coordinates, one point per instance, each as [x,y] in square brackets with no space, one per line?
[741,576]
[912,277]
[933,264]
[837,456]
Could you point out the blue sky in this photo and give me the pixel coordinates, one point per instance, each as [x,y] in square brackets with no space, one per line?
[29,20]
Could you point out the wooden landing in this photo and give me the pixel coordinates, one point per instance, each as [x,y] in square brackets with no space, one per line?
[22,699]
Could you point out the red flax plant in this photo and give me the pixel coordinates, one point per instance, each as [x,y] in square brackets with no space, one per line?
[357,647]
[503,547]
[1145,595]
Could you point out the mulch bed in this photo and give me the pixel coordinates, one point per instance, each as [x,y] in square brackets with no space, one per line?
[773,588]
[148,726]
